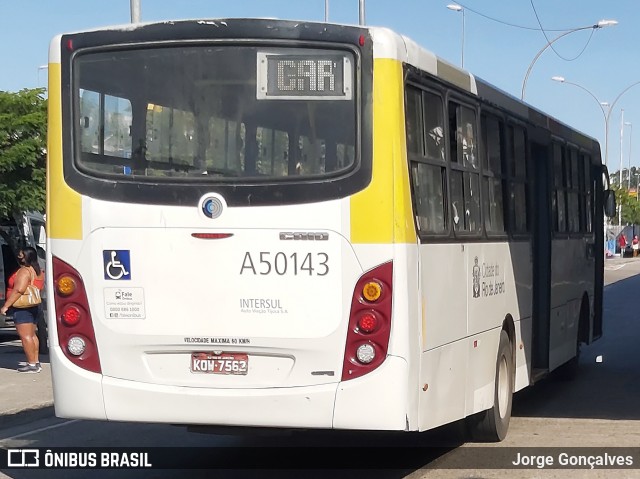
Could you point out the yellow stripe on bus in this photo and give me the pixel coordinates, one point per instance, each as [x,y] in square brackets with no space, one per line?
[382,212]
[64,206]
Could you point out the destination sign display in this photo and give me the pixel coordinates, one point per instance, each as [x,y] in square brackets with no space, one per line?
[317,75]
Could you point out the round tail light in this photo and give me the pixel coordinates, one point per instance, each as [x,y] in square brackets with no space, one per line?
[372,291]
[66,285]
[365,353]
[368,322]
[76,345]
[71,315]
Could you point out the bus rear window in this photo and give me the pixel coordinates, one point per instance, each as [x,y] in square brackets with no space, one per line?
[227,113]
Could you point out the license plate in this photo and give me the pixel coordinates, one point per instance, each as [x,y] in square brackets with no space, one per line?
[226,363]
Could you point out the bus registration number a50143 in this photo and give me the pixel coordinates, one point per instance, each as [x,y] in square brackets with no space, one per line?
[225,363]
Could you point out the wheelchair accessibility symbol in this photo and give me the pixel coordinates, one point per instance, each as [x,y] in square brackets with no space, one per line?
[117,264]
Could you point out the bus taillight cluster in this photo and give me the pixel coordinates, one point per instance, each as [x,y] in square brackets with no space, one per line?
[73,320]
[369,322]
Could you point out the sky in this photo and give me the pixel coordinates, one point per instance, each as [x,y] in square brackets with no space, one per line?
[604,62]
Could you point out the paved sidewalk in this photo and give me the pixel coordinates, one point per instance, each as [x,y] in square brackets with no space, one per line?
[21,393]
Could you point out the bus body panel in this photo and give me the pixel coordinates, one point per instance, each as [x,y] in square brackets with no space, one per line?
[491,281]
[443,372]
[440,268]
[284,302]
[570,282]
[458,379]
[494,282]
[377,401]
[76,393]
[64,205]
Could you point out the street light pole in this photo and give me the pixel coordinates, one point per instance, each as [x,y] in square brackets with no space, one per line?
[600,24]
[135,10]
[326,11]
[607,115]
[457,8]
[630,125]
[361,13]
[601,104]
[620,172]
[41,67]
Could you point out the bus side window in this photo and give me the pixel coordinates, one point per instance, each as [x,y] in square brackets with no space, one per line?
[413,127]
[558,194]
[519,222]
[428,186]
[493,177]
[457,200]
[434,126]
[465,169]
[424,120]
[584,169]
[573,195]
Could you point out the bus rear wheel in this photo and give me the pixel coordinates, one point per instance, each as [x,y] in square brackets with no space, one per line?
[492,425]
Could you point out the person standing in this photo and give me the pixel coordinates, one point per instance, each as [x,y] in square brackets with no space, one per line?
[635,244]
[622,241]
[25,319]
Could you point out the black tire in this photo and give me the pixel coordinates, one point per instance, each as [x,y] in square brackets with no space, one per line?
[492,425]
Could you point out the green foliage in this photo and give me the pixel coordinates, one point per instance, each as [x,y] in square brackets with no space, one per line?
[630,207]
[23,129]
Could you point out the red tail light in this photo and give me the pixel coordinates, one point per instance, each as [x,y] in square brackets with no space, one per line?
[71,315]
[212,235]
[73,318]
[369,322]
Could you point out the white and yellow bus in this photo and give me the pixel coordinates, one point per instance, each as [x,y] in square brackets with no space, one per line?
[268,223]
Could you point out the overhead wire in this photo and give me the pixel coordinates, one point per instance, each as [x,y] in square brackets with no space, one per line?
[538,28]
[550,41]
[497,20]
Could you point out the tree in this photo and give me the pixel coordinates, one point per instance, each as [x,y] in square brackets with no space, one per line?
[630,207]
[23,128]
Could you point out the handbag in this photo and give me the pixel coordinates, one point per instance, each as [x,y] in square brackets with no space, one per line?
[30,297]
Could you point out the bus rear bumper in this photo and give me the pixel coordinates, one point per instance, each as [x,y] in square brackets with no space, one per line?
[303,407]
[376,401]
